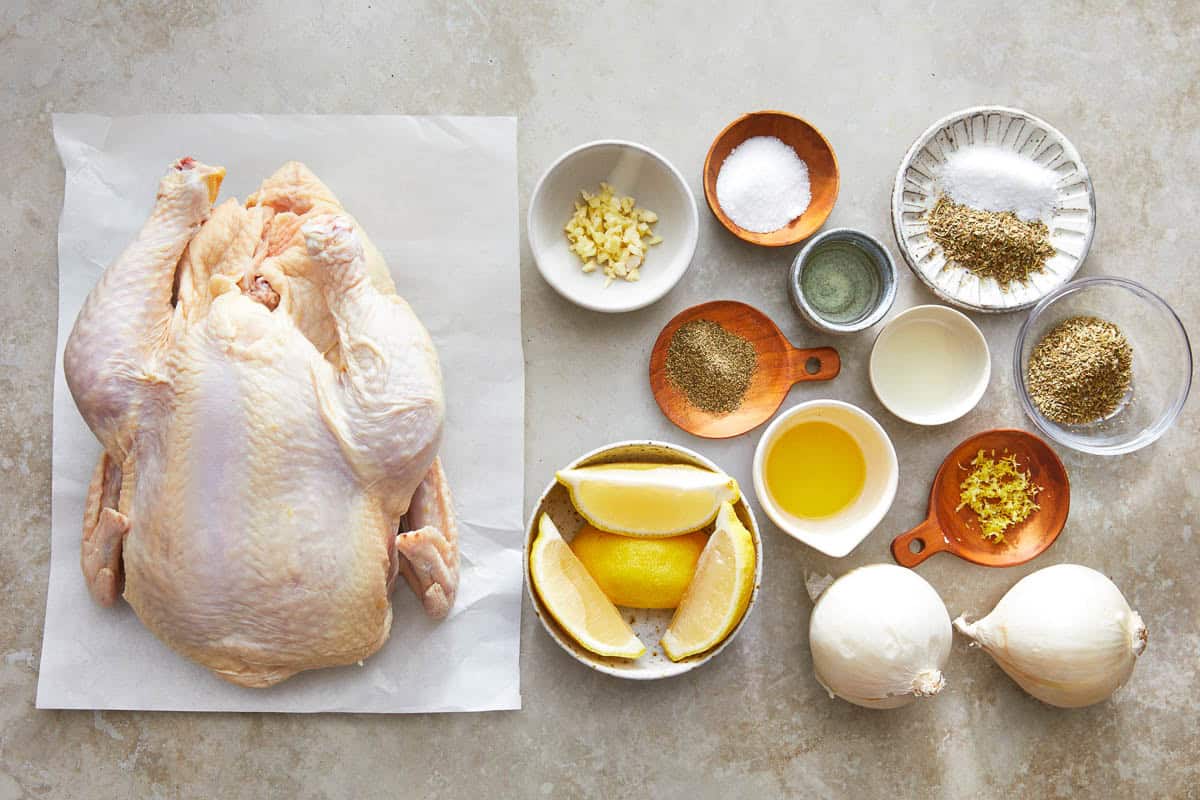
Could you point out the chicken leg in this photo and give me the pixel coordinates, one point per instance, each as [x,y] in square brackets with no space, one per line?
[107,356]
[389,383]
[128,313]
[104,530]
[386,388]
[429,551]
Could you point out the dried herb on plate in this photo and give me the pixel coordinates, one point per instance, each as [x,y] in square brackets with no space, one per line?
[990,244]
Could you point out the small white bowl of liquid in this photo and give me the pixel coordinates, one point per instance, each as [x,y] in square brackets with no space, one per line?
[826,473]
[930,365]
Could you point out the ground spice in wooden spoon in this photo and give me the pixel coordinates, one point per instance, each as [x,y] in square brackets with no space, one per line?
[710,365]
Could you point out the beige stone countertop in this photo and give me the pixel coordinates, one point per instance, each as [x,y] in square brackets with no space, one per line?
[1119,79]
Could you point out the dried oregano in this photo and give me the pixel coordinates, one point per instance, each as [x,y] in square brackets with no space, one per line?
[990,244]
[1080,371]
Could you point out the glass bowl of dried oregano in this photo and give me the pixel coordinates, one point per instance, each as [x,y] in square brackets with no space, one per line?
[1103,365]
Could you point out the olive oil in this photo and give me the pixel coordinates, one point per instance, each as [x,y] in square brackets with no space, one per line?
[814,469]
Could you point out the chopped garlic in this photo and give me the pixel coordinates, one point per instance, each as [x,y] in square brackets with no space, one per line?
[611,233]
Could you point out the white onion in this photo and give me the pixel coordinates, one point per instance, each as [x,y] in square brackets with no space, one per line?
[880,636]
[1064,633]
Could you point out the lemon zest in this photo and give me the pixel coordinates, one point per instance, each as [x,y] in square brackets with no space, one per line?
[999,492]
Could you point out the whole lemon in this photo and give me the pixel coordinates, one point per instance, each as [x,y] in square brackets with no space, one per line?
[636,572]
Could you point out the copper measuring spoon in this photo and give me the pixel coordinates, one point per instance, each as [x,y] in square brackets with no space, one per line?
[957,530]
[780,366]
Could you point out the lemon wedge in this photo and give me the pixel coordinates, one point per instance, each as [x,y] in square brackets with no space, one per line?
[575,600]
[640,573]
[718,596]
[649,500]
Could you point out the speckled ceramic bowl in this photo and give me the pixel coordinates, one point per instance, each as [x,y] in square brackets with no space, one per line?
[648,624]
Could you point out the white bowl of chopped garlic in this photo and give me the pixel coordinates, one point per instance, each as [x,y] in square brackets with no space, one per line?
[612,225]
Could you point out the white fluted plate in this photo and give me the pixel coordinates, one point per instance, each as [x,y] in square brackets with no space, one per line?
[1072,222]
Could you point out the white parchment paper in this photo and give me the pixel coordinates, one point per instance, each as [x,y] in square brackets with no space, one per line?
[438,196]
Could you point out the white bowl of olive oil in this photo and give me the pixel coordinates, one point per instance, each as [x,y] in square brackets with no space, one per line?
[826,473]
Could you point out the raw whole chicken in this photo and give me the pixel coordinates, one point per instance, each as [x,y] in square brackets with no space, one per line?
[270,412]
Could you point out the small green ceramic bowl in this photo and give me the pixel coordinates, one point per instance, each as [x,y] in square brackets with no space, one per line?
[880,279]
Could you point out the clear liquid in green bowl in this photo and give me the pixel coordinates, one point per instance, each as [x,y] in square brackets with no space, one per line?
[840,282]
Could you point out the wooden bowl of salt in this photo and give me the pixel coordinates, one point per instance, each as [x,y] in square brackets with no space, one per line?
[779,367]
[809,145]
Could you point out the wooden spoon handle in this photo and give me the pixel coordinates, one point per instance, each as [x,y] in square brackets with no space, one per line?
[930,540]
[829,364]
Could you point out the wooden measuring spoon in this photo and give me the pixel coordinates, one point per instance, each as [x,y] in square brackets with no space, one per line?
[957,530]
[779,367]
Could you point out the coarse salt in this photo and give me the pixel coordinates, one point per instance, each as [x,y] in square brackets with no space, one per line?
[996,179]
[763,184]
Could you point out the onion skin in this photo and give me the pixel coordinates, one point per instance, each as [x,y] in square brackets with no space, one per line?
[1065,634]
